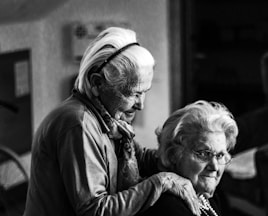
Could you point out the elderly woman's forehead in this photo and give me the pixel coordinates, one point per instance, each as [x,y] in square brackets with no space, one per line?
[211,139]
[145,77]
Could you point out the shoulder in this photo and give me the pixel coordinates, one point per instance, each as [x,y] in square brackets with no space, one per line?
[170,205]
[69,114]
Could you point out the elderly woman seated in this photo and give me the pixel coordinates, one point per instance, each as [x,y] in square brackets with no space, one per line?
[194,142]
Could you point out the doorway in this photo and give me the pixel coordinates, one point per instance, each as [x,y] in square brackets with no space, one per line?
[15,101]
[221,46]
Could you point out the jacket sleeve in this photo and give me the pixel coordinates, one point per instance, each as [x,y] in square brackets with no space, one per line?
[85,173]
[147,160]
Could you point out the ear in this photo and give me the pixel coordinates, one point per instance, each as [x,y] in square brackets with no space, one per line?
[95,81]
[173,159]
[174,156]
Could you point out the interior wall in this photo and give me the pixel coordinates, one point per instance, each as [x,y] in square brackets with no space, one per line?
[150,23]
[14,37]
[51,68]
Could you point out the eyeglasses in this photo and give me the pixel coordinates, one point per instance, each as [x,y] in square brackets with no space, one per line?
[205,156]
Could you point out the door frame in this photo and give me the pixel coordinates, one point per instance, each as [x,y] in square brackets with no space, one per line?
[181,52]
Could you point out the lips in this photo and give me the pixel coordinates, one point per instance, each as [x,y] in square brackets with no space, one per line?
[129,113]
[209,176]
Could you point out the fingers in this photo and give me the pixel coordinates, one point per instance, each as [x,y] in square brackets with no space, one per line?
[189,195]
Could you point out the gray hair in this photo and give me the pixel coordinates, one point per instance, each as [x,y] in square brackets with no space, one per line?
[186,126]
[120,72]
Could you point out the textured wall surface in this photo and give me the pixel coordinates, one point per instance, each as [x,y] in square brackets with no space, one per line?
[49,41]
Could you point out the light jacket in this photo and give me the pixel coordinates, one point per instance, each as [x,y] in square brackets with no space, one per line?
[74,168]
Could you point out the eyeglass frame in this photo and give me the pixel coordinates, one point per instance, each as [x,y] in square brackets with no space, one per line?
[211,155]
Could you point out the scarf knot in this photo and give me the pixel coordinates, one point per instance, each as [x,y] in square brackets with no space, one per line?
[120,132]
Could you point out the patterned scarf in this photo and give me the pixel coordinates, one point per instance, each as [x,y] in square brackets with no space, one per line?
[128,172]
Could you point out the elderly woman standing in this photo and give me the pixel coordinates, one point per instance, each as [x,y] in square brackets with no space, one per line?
[194,143]
[84,158]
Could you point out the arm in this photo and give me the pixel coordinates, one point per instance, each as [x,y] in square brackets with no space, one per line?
[147,160]
[85,170]
[89,179]
[172,183]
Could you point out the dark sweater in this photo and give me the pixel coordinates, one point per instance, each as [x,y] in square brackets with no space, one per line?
[170,205]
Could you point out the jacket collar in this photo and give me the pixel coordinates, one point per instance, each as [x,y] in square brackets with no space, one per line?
[88,103]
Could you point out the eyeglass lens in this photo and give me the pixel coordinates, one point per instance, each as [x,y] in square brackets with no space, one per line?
[206,156]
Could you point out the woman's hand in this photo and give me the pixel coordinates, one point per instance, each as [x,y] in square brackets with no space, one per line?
[181,187]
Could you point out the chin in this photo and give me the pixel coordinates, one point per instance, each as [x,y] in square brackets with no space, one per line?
[207,191]
[128,117]
[209,194]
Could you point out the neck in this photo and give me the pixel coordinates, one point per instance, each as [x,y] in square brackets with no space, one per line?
[205,206]
[206,194]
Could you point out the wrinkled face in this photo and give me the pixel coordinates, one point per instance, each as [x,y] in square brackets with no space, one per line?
[124,107]
[204,176]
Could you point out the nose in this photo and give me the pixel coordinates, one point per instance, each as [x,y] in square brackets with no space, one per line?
[139,103]
[213,164]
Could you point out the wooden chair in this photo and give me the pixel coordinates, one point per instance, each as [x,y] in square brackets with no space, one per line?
[12,198]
